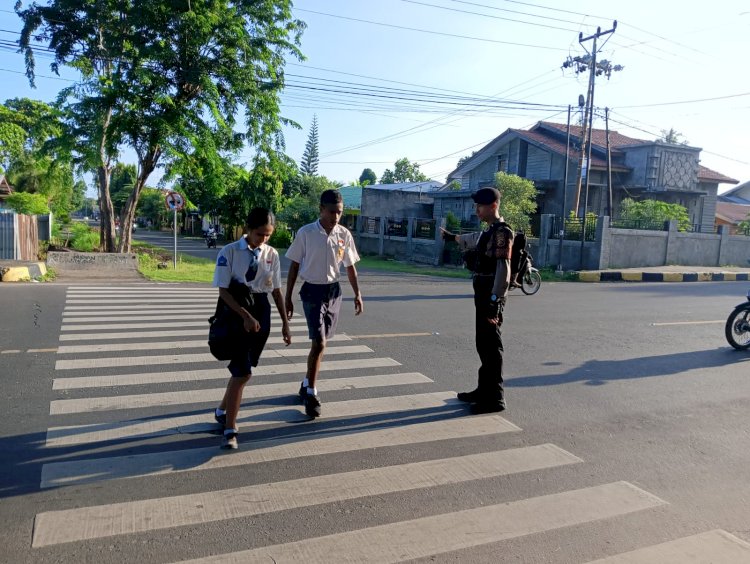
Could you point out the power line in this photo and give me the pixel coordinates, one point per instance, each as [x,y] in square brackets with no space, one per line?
[688,101]
[497,41]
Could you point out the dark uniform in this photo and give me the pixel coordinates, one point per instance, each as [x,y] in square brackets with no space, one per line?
[488,257]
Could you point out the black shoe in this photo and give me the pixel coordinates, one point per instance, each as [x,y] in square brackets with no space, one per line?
[469,397]
[229,442]
[302,393]
[312,406]
[487,407]
[221,419]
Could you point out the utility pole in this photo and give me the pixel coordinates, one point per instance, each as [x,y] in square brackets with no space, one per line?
[609,165]
[582,64]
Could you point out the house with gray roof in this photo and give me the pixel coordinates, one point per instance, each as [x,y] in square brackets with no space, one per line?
[5,190]
[640,169]
[737,195]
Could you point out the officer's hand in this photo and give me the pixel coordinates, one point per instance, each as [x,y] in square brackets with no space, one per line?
[251,324]
[289,308]
[495,312]
[359,306]
[447,235]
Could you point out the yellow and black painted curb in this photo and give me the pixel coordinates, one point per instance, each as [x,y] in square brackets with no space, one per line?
[630,276]
[22,273]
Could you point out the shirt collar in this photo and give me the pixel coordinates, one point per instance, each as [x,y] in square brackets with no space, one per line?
[246,246]
[322,230]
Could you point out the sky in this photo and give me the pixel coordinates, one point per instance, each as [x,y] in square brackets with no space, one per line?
[434,80]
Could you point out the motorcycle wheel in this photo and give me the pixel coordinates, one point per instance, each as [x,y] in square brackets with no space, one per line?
[737,329]
[531,282]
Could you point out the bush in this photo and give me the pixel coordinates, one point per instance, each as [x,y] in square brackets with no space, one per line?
[281,238]
[27,204]
[83,238]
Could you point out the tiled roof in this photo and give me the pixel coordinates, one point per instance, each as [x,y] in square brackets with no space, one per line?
[5,188]
[598,136]
[733,213]
[705,173]
[552,143]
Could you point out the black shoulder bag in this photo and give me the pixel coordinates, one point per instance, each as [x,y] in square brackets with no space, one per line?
[226,332]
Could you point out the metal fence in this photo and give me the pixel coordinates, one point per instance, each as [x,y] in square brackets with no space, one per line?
[19,236]
[370,225]
[644,224]
[572,228]
[424,229]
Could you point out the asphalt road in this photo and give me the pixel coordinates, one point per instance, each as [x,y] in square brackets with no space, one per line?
[627,427]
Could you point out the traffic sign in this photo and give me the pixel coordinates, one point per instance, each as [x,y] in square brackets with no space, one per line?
[175,201]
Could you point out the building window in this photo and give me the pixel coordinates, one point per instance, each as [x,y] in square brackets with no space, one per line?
[501,163]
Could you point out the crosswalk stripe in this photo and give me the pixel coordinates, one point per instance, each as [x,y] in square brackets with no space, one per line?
[83,405]
[74,315]
[146,293]
[87,523]
[167,345]
[716,547]
[202,323]
[146,428]
[255,451]
[428,536]
[111,362]
[168,291]
[136,287]
[158,334]
[139,300]
[115,320]
[136,306]
[81,382]
[201,320]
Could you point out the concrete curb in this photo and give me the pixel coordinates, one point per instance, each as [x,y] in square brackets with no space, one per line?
[630,276]
[22,273]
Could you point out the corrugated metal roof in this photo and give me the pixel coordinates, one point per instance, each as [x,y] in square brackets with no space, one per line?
[426,186]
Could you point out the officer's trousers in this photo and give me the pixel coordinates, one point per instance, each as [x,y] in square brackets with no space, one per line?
[489,341]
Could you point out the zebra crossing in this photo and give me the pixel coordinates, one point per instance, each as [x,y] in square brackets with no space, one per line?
[113,339]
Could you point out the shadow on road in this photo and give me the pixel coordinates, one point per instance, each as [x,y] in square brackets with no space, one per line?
[599,372]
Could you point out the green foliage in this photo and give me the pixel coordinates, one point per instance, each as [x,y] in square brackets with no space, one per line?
[304,208]
[121,185]
[671,136]
[403,171]
[83,239]
[310,158]
[573,226]
[454,185]
[743,226]
[281,238]
[518,200]
[368,177]
[27,204]
[655,211]
[151,206]
[452,223]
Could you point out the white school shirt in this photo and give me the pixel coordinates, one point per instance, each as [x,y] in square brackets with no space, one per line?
[320,254]
[234,259]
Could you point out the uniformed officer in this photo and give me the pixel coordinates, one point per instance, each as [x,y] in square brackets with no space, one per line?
[488,257]
[316,255]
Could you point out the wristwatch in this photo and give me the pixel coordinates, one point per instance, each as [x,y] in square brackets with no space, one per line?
[493,298]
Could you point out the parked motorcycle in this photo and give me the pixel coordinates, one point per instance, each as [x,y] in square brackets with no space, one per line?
[737,329]
[211,238]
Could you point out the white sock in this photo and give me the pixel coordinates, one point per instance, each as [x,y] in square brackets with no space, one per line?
[230,432]
[305,382]
[312,391]
[220,411]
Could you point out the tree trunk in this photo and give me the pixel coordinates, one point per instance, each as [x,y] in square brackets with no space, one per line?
[107,220]
[127,217]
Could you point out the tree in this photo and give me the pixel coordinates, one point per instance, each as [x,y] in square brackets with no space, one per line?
[367,178]
[310,159]
[655,211]
[166,78]
[27,204]
[403,171]
[121,185]
[672,136]
[304,207]
[518,200]
[462,161]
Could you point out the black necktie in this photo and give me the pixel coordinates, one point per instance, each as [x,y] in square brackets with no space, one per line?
[252,269]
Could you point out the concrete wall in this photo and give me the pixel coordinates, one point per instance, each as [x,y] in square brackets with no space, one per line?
[396,203]
[109,262]
[636,247]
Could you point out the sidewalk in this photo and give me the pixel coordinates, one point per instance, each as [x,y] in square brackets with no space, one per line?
[667,274]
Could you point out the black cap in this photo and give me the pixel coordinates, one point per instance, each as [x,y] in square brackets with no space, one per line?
[486,196]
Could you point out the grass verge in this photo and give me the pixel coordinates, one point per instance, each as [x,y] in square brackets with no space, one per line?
[156,264]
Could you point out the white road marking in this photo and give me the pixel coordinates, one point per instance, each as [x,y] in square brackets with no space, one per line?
[255,451]
[419,538]
[167,345]
[136,401]
[713,322]
[144,428]
[110,362]
[87,523]
[213,373]
[714,547]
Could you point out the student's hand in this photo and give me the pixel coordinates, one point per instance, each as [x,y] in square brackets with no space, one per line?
[289,307]
[286,333]
[359,307]
[251,324]
[447,235]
